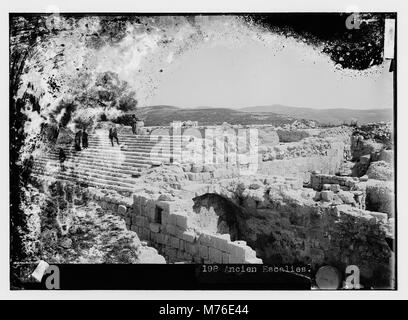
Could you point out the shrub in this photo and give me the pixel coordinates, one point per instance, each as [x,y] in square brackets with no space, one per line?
[125,120]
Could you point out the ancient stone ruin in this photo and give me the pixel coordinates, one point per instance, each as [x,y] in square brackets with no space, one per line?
[318,196]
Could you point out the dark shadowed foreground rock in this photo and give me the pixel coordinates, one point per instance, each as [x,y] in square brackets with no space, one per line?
[95,236]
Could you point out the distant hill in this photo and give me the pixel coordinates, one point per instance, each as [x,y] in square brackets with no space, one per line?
[326,116]
[163,115]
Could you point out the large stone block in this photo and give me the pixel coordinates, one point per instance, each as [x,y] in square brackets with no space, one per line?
[139,231]
[136,209]
[154,227]
[235,259]
[327,195]
[181,221]
[254,261]
[151,213]
[140,221]
[335,187]
[153,237]
[383,217]
[220,242]
[179,233]
[387,155]
[326,186]
[175,242]
[144,211]
[208,168]
[240,251]
[145,234]
[215,255]
[218,173]
[167,240]
[206,176]
[122,210]
[347,197]
[203,252]
[182,245]
[188,257]
[180,255]
[225,257]
[160,238]
[164,218]
[172,254]
[171,229]
[191,248]
[205,238]
[197,168]
[189,236]
[172,219]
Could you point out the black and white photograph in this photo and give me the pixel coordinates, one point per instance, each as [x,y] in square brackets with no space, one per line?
[203,150]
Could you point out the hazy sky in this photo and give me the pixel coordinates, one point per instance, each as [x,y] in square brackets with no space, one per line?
[253,75]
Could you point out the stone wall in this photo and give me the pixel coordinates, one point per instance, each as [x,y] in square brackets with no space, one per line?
[292,225]
[282,221]
[301,166]
[204,173]
[168,225]
[371,194]
[318,180]
[294,228]
[292,135]
[380,196]
[361,147]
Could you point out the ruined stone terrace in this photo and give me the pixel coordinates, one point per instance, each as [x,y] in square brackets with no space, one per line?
[194,212]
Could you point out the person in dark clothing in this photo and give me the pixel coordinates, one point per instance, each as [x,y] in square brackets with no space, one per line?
[134,124]
[62,157]
[84,140]
[78,136]
[113,134]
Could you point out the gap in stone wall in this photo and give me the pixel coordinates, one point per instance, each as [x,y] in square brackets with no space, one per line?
[218,215]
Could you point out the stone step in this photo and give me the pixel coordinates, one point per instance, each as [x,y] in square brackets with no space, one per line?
[114,152]
[91,174]
[138,137]
[84,177]
[99,169]
[125,160]
[141,138]
[130,147]
[135,144]
[135,140]
[101,162]
[41,176]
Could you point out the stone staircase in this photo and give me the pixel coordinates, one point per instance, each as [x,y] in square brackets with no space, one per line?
[104,166]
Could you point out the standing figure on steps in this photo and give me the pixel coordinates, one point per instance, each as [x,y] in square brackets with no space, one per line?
[78,136]
[62,158]
[84,139]
[113,134]
[134,123]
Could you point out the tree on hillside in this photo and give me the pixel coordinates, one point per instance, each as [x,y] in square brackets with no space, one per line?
[47,56]
[93,97]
